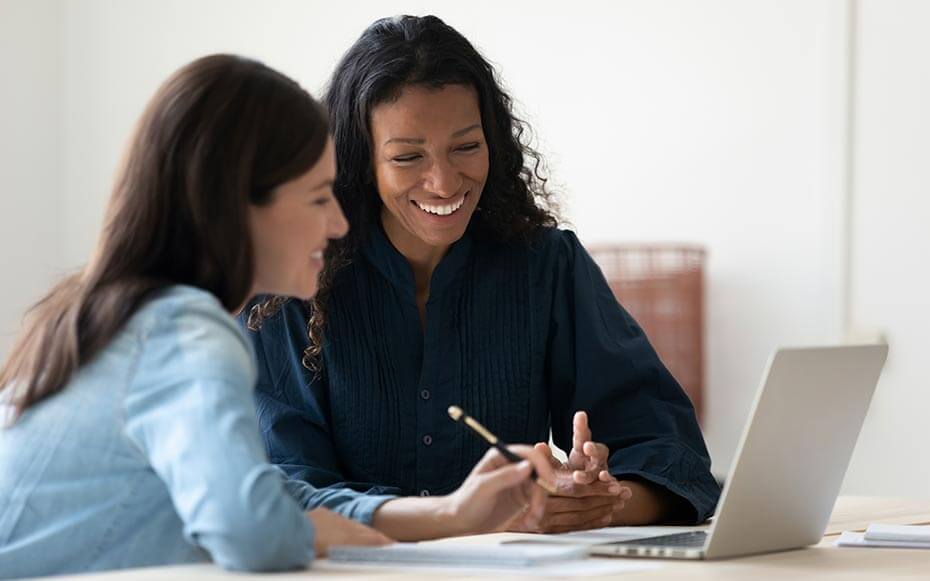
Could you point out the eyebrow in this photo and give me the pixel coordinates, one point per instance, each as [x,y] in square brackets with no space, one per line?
[420,141]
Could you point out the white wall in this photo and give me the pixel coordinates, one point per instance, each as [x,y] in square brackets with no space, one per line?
[891,239]
[720,122]
[29,157]
[690,121]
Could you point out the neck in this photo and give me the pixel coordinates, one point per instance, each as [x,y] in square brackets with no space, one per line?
[423,258]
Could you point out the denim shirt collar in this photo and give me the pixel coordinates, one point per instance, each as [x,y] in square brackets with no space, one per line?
[395,268]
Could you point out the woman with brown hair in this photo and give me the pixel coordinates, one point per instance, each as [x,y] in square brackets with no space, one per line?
[132,436]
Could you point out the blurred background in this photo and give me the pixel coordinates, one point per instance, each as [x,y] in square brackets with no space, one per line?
[787,139]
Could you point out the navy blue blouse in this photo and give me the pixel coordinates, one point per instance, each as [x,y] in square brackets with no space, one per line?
[519,336]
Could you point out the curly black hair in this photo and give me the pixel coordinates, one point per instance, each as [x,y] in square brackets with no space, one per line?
[391,54]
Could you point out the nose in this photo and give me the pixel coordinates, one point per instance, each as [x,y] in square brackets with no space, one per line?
[338,225]
[442,179]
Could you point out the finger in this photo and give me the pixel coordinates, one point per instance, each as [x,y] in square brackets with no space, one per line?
[546,451]
[595,524]
[595,517]
[591,476]
[537,505]
[568,487]
[508,476]
[541,464]
[597,452]
[583,477]
[556,504]
[580,432]
[626,493]
[491,460]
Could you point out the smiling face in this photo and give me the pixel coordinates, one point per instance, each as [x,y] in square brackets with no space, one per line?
[290,233]
[430,162]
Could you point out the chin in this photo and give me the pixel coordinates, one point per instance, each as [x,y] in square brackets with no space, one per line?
[444,237]
[304,293]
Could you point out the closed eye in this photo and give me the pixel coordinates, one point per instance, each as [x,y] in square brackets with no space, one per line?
[406,158]
[469,147]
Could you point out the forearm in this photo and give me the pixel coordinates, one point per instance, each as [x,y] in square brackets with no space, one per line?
[418,518]
[649,504]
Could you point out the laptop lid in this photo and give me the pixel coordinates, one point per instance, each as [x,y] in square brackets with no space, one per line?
[795,449]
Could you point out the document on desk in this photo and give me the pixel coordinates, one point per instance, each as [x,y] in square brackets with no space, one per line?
[598,536]
[889,536]
[483,559]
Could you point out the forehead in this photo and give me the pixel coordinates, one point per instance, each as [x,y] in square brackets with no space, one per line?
[419,111]
[323,169]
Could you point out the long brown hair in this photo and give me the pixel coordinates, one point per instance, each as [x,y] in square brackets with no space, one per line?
[220,134]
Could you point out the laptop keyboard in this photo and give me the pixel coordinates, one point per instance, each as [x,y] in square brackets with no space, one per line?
[688,540]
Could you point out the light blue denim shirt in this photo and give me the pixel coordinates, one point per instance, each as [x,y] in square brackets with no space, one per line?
[152,455]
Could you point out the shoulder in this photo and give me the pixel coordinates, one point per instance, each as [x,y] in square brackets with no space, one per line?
[186,329]
[556,246]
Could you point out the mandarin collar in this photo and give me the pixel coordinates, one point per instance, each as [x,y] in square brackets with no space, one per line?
[394,267]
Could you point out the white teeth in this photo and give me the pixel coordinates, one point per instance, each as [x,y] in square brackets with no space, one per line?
[440,210]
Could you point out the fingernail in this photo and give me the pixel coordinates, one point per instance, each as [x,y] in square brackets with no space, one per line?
[614,489]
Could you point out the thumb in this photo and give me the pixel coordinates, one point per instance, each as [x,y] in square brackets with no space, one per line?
[505,477]
[546,451]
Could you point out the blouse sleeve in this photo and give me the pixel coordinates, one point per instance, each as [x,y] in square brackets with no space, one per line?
[292,412]
[189,411]
[600,361]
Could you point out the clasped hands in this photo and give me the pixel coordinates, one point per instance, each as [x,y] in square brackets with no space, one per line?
[588,496]
[498,495]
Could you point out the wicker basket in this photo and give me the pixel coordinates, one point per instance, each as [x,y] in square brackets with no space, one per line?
[663,288]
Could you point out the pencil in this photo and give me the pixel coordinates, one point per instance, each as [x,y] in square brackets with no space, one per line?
[456,413]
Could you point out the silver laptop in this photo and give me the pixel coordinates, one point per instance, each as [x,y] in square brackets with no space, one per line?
[791,459]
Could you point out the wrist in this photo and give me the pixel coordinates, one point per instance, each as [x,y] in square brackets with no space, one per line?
[449,513]
[418,519]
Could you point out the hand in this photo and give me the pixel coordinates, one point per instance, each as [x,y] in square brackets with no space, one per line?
[333,529]
[498,491]
[587,459]
[588,496]
[495,492]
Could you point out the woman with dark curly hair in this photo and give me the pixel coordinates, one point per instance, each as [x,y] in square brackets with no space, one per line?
[455,287]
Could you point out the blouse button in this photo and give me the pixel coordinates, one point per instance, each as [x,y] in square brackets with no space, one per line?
[424,492]
[424,394]
[427,439]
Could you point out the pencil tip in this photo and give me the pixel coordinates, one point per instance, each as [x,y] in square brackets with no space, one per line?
[455,412]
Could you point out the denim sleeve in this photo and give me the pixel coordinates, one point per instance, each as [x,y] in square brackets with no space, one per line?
[292,404]
[189,409]
[602,362]
[345,501]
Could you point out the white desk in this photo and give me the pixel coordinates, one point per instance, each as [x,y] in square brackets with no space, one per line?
[823,561]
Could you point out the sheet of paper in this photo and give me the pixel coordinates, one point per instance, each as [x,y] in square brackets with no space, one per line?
[458,554]
[854,539]
[577,568]
[604,535]
[907,533]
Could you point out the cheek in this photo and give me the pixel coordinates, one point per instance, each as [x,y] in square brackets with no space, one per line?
[478,168]
[393,184]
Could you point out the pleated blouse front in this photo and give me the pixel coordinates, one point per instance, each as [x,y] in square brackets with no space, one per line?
[520,336]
